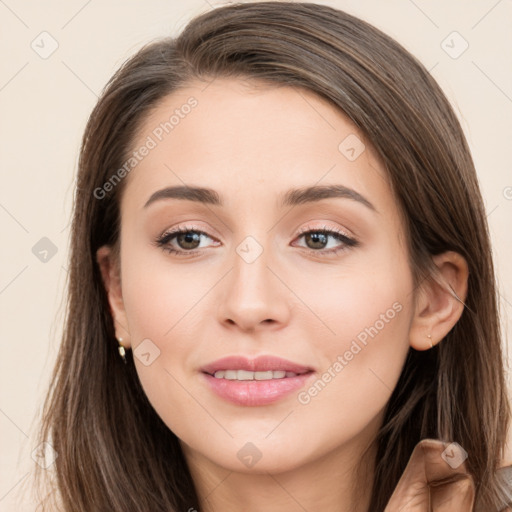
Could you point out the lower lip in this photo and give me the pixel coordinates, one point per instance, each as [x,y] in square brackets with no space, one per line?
[256,392]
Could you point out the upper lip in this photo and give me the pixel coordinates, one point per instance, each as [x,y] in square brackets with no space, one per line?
[257,364]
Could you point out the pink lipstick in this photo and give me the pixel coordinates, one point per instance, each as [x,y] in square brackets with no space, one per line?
[253,382]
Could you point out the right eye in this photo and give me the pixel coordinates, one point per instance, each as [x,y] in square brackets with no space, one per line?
[186,238]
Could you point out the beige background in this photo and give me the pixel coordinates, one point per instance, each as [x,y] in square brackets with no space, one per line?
[45,103]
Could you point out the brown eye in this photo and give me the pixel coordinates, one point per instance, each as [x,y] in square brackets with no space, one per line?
[188,240]
[182,241]
[318,239]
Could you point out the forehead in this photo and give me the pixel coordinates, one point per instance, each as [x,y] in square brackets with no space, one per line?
[243,137]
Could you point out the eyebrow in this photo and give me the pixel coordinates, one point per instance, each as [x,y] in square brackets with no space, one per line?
[292,197]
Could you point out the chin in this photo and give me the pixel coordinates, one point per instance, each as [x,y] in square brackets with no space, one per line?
[252,454]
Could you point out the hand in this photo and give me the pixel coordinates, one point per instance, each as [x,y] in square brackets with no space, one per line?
[430,484]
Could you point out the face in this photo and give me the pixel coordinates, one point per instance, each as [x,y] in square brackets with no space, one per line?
[309,293]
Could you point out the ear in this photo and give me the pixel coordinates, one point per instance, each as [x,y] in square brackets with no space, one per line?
[111,274]
[440,301]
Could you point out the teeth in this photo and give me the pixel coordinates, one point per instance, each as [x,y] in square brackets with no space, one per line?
[246,375]
[263,375]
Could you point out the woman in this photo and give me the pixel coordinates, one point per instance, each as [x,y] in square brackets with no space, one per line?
[282,294]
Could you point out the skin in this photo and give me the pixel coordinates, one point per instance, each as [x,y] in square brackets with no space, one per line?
[251,143]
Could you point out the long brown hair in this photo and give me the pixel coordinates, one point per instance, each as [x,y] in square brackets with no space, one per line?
[114,452]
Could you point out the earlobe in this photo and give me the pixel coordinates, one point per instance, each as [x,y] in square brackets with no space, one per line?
[440,301]
[111,275]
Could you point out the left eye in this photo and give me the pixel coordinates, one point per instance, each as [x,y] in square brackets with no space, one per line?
[189,240]
[317,237]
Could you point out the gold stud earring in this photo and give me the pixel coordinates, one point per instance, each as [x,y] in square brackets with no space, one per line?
[121,349]
[430,339]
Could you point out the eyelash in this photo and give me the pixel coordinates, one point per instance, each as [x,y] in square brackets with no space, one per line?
[163,240]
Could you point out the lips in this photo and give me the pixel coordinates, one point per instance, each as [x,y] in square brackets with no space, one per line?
[259,364]
[255,382]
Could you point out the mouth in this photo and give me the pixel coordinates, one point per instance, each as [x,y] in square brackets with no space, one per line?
[243,368]
[255,382]
[248,375]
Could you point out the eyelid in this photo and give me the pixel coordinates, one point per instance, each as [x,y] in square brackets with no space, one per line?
[187,226]
[324,227]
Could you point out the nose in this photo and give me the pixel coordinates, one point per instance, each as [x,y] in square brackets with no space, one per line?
[254,294]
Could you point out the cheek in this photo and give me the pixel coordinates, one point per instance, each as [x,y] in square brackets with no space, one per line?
[164,308]
[362,363]
[365,299]
[160,298]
